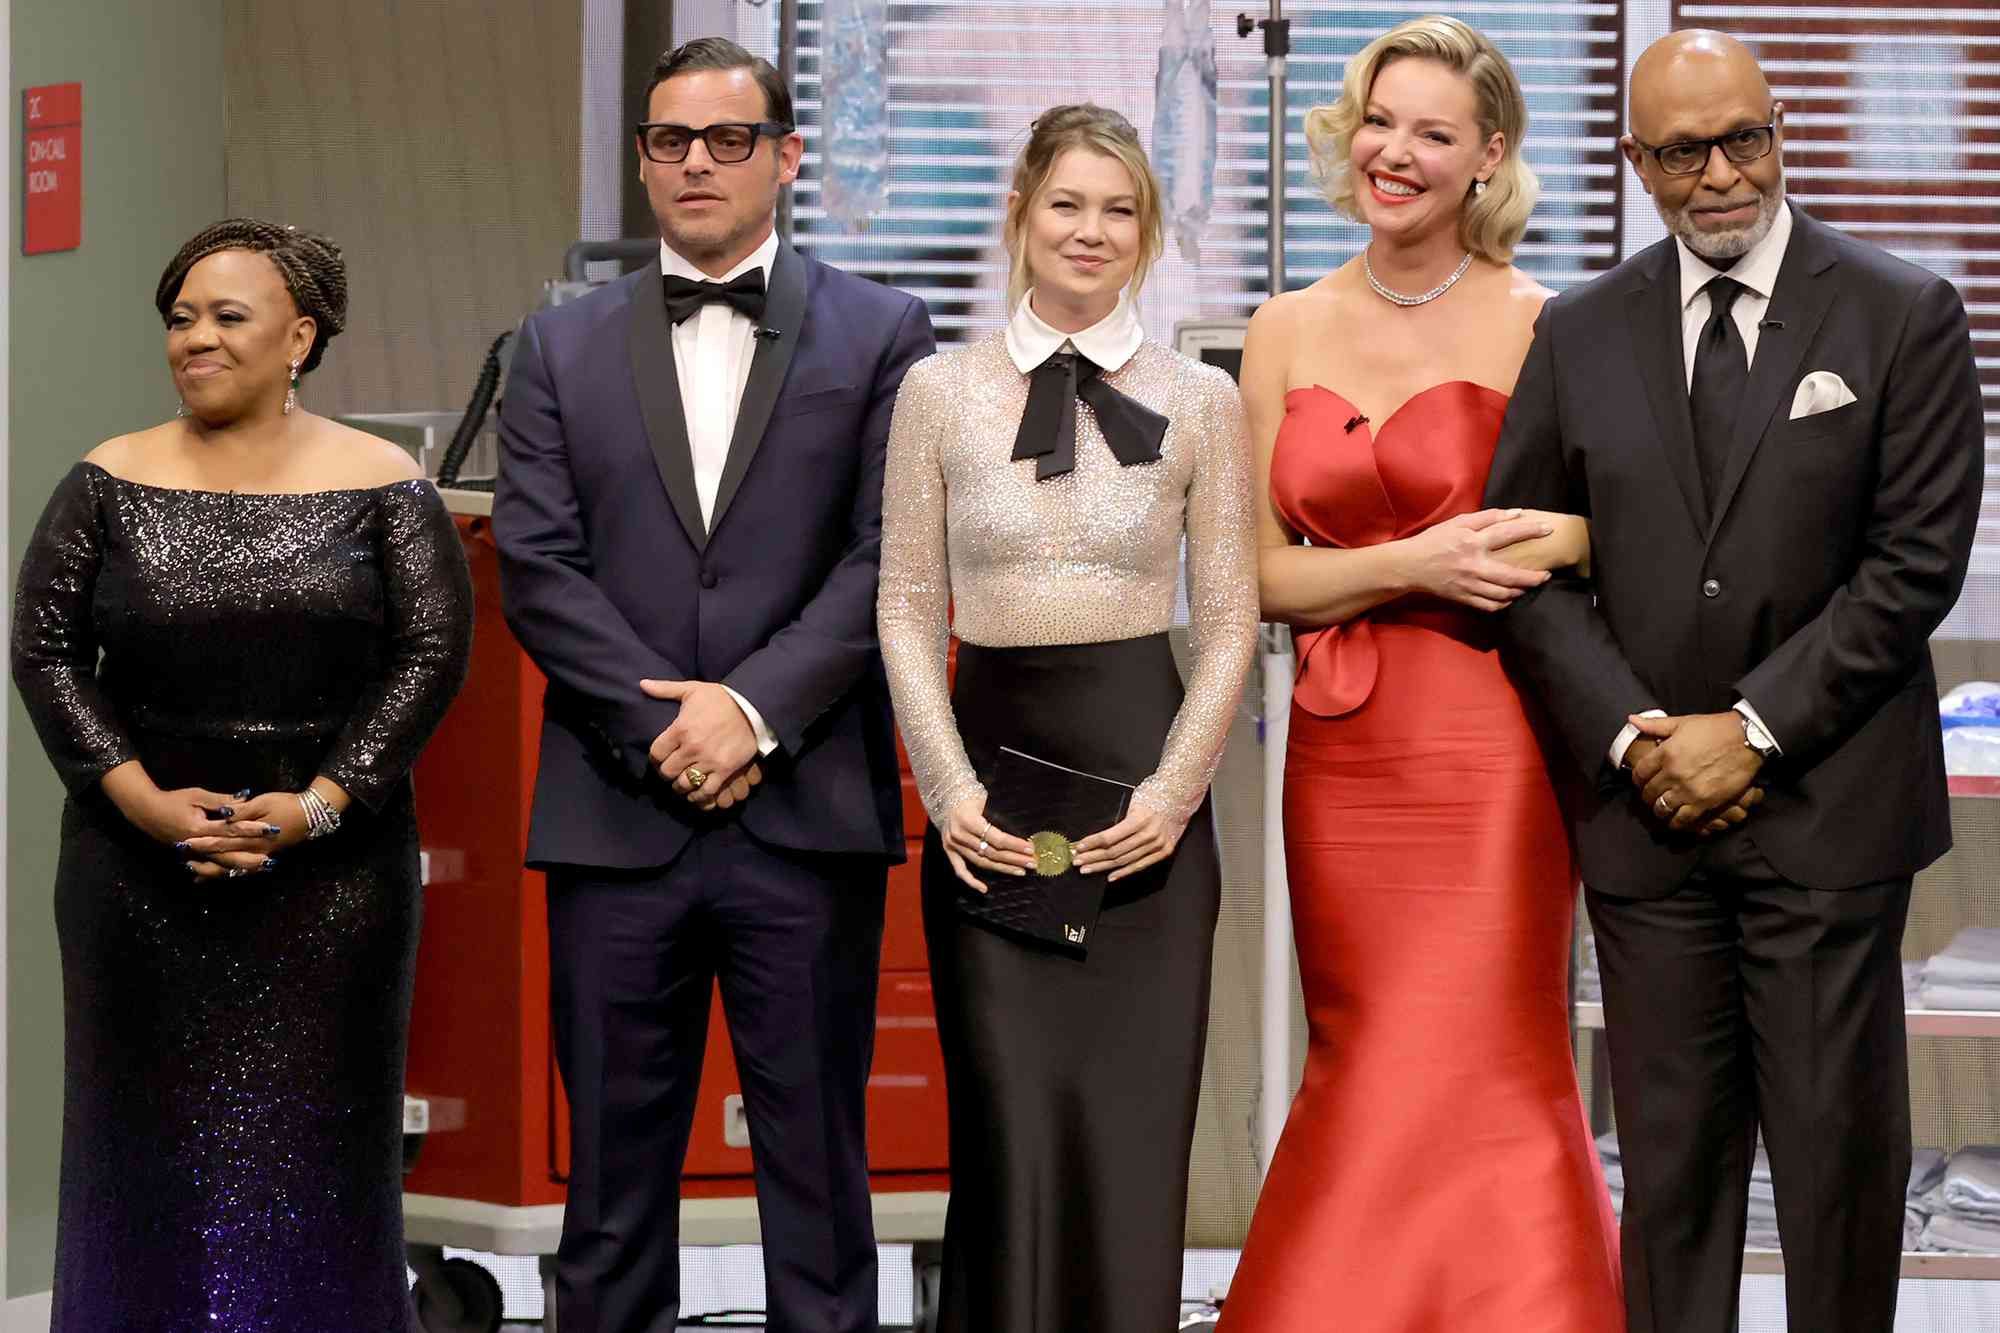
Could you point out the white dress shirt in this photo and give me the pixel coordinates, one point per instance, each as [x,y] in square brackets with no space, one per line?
[712,354]
[1109,343]
[1757,270]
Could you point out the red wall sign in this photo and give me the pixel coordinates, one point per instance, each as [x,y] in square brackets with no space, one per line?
[51,168]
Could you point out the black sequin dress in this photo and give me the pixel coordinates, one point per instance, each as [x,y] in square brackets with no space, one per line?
[234,1048]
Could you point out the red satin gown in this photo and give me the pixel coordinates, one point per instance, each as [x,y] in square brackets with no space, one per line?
[1436,1174]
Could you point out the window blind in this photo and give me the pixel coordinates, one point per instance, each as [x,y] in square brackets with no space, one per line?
[967,76]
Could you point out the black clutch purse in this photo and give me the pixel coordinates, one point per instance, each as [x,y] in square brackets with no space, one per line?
[1051,806]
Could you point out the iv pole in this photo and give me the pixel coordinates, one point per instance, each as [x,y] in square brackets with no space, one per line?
[1274,1081]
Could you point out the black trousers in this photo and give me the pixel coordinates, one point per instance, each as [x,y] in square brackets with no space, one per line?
[1740,1001]
[795,941]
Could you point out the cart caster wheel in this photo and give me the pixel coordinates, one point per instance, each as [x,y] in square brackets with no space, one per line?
[475,1294]
[927,1280]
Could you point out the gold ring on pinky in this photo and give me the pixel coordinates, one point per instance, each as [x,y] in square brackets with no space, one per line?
[695,777]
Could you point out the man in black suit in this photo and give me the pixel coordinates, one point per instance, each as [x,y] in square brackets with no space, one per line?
[689,517]
[1775,432]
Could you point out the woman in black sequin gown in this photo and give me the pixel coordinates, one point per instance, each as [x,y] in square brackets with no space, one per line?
[278,602]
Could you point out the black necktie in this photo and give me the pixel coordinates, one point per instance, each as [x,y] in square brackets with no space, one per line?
[1721,377]
[1048,426]
[744,293]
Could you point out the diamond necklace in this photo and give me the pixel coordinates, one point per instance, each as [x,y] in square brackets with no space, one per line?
[1400,298]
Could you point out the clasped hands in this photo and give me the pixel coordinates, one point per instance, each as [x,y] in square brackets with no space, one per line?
[1695,772]
[710,738]
[1144,838]
[218,834]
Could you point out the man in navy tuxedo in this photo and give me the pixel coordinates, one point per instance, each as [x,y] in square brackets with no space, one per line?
[689,516]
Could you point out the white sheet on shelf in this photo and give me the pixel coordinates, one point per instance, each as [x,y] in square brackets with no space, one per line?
[1972,1184]
[1951,1233]
[1972,956]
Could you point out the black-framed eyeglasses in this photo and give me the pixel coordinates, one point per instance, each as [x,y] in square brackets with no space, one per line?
[726,143]
[1691,155]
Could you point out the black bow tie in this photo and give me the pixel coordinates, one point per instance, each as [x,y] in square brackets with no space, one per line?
[743,293]
[1048,426]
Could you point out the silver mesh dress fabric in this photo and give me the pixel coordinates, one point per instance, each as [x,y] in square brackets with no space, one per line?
[234,1048]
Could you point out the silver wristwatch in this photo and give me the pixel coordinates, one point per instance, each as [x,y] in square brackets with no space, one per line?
[1756,739]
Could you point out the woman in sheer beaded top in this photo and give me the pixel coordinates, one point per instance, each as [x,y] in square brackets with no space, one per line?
[233,633]
[1041,482]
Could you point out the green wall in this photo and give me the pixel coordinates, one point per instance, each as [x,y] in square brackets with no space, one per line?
[86,362]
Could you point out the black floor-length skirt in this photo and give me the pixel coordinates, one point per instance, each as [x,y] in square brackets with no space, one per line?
[1073,1082]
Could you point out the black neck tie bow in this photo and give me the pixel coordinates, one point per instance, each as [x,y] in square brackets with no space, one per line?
[743,293]
[1048,426]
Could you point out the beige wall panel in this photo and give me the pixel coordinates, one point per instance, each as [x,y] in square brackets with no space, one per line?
[437,142]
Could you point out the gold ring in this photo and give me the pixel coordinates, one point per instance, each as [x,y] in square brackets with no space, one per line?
[695,777]
[1662,806]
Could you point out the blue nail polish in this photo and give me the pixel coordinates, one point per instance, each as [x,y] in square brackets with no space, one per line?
[270,863]
[272,830]
[243,795]
[180,846]
[226,812]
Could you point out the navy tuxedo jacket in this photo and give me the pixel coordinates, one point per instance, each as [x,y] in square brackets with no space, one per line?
[608,575]
[1837,544]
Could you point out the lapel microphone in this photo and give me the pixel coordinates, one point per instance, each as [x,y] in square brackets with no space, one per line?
[769,333]
[1770,323]
[1355,420]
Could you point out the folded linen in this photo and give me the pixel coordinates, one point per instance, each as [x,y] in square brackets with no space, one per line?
[1926,1171]
[1958,995]
[1951,1233]
[1972,1184]
[1973,955]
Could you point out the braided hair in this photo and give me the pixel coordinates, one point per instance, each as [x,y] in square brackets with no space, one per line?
[310,264]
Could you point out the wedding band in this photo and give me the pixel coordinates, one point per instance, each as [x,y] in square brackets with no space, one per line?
[695,777]
[1662,806]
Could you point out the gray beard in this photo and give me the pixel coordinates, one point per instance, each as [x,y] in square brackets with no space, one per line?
[1727,244]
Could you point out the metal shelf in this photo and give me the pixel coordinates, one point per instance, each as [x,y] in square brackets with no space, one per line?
[1956,1267]
[1921,1022]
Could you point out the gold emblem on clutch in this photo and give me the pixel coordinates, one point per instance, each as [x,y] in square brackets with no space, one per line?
[1075,933]
[1052,854]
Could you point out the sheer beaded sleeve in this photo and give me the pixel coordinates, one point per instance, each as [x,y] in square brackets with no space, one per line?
[1222,597]
[427,616]
[913,605]
[55,640]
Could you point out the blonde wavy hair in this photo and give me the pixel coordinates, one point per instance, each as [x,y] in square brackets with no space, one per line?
[1101,130]
[1490,224]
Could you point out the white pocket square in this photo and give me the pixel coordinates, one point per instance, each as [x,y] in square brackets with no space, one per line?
[1821,391]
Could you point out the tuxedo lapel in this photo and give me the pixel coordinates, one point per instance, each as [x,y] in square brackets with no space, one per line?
[651,344]
[1799,301]
[784,313]
[1653,320]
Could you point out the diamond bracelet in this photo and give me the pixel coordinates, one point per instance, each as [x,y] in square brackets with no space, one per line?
[321,817]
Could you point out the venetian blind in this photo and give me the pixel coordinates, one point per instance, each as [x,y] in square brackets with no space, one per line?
[967,76]
[1892,128]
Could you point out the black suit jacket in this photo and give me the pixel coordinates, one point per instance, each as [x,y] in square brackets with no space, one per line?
[608,575]
[1838,543]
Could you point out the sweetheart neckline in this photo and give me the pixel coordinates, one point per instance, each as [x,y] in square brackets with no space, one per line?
[1375,432]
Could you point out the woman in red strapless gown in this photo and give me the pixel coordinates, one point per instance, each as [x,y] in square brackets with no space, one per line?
[1436,1173]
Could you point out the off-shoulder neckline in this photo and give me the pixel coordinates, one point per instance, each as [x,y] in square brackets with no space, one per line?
[255,495]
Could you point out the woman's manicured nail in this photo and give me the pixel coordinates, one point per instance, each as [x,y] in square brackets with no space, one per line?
[180,846]
[272,830]
[243,795]
[270,863]
[225,812]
